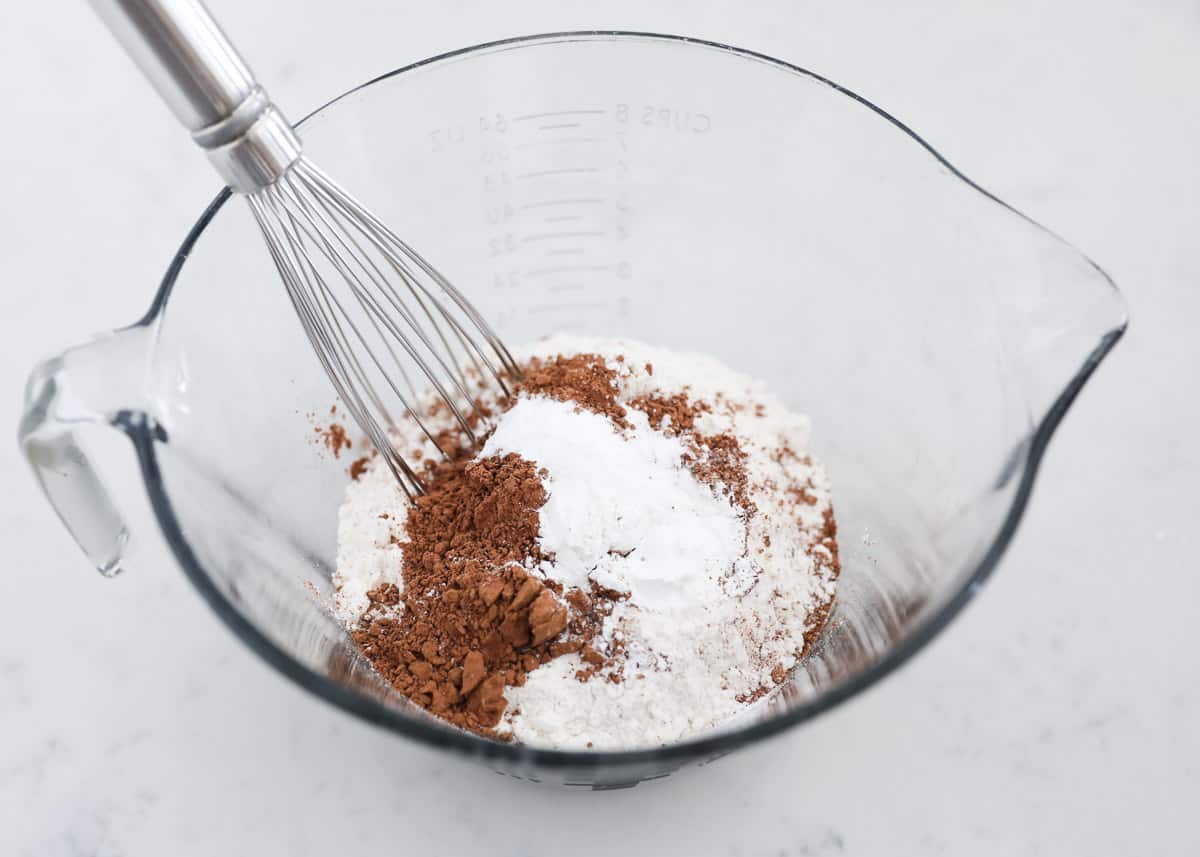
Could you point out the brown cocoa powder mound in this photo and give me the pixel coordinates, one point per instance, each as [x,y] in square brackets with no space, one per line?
[581,378]
[676,410]
[473,619]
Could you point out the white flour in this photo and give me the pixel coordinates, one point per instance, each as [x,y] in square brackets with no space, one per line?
[719,601]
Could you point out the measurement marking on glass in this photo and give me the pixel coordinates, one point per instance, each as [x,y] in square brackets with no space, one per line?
[566,287]
[559,141]
[582,200]
[562,218]
[559,125]
[553,113]
[547,236]
[561,171]
[563,269]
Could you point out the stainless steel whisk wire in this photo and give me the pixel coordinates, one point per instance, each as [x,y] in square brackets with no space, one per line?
[359,291]
[331,328]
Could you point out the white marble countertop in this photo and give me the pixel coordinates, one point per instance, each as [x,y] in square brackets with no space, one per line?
[1056,716]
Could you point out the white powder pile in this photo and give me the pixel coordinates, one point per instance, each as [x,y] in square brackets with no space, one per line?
[622,511]
[718,595]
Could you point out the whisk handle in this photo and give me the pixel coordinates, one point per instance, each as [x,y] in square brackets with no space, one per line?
[204,80]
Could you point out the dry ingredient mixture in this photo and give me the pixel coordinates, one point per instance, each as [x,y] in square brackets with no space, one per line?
[640,548]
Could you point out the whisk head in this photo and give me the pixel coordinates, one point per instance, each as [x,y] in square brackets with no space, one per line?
[385,324]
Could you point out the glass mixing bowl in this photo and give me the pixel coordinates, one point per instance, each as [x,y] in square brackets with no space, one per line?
[680,192]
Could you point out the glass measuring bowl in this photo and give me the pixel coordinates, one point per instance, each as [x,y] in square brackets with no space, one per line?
[684,193]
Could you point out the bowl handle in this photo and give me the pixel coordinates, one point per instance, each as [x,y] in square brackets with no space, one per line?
[80,387]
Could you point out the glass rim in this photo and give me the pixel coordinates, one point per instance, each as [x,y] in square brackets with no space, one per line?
[702,746]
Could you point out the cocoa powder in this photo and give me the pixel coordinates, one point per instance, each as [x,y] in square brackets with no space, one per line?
[335,438]
[676,410]
[358,467]
[580,378]
[474,619]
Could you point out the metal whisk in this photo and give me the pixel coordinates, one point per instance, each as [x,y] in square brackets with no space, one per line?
[380,318]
